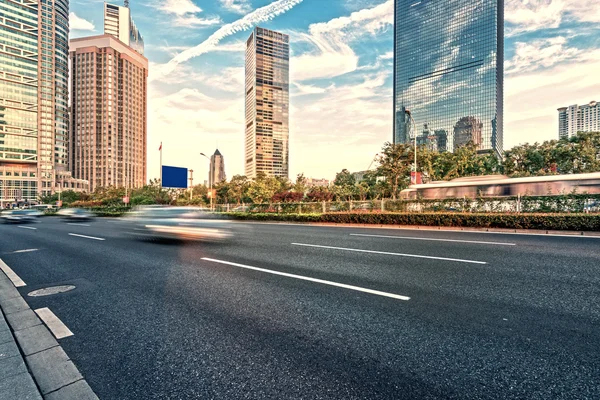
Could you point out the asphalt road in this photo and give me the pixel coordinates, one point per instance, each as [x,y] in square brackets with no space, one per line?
[455,315]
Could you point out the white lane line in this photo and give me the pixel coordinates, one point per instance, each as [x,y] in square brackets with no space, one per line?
[22,251]
[86,237]
[59,330]
[390,254]
[435,240]
[27,227]
[76,224]
[306,278]
[18,282]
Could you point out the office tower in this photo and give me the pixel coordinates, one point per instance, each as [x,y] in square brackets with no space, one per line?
[467,129]
[108,112]
[217,169]
[118,22]
[576,118]
[267,104]
[34,100]
[448,65]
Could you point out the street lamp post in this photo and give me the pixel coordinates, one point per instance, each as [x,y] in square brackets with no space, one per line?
[209,181]
[414,126]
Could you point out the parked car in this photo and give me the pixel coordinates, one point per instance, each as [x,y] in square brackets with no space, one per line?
[20,216]
[184,223]
[75,214]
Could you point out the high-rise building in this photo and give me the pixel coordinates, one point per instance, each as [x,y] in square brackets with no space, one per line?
[108,112]
[467,129]
[448,65]
[118,22]
[217,169]
[576,118]
[267,104]
[34,100]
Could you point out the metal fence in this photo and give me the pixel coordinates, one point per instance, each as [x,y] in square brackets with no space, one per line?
[537,204]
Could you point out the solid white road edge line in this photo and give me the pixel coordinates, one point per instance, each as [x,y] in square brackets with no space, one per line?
[390,254]
[435,240]
[306,278]
[23,251]
[76,224]
[18,282]
[27,227]
[86,237]
[56,326]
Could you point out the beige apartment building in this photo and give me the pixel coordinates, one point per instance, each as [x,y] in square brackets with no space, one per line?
[108,112]
[267,104]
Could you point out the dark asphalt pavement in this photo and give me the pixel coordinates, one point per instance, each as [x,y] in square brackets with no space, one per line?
[517,317]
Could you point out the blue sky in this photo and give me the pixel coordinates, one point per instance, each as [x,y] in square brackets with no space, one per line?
[341,74]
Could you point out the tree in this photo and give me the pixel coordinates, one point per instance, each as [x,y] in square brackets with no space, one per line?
[395,164]
[262,189]
[238,188]
[301,185]
[343,185]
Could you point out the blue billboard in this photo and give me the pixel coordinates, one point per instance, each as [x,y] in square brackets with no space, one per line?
[174,177]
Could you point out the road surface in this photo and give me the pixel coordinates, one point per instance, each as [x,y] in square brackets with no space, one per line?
[311,312]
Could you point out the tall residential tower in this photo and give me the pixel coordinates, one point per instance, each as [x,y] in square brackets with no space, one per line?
[267,104]
[108,112]
[576,118]
[448,71]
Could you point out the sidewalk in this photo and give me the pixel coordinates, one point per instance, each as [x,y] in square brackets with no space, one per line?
[29,350]
[15,380]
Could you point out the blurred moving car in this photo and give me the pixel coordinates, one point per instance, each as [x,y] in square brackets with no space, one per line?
[183,223]
[20,216]
[75,214]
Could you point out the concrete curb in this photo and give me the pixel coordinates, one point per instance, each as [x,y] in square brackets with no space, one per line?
[40,355]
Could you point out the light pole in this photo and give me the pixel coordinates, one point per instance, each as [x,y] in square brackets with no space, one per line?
[411,119]
[191,184]
[209,181]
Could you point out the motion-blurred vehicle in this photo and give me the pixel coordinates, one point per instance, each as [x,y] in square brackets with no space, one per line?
[75,214]
[503,186]
[182,223]
[20,216]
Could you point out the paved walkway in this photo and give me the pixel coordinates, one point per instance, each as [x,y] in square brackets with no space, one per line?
[15,380]
[32,352]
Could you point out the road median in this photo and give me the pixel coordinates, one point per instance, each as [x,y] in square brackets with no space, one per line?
[543,222]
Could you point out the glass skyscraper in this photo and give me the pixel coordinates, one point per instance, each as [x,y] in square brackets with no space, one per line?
[448,72]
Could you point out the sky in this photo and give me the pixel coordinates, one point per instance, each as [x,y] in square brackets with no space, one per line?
[340,72]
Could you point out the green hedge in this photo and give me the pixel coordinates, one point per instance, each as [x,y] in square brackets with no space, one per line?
[568,222]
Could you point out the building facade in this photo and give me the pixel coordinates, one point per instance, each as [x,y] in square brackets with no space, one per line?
[448,66]
[34,113]
[108,112]
[217,169]
[267,104]
[576,118]
[118,22]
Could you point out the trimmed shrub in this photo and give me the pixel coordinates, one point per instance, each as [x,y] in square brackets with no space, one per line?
[567,222]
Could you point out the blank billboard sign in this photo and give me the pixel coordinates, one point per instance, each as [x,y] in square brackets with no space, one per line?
[174,177]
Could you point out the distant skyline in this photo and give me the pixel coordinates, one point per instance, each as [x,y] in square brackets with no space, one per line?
[340,71]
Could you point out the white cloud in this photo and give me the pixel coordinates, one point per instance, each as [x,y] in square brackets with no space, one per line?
[533,15]
[78,23]
[179,7]
[259,15]
[186,13]
[541,53]
[236,6]
[309,89]
[333,54]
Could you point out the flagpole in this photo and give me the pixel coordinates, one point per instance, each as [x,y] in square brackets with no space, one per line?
[160,164]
